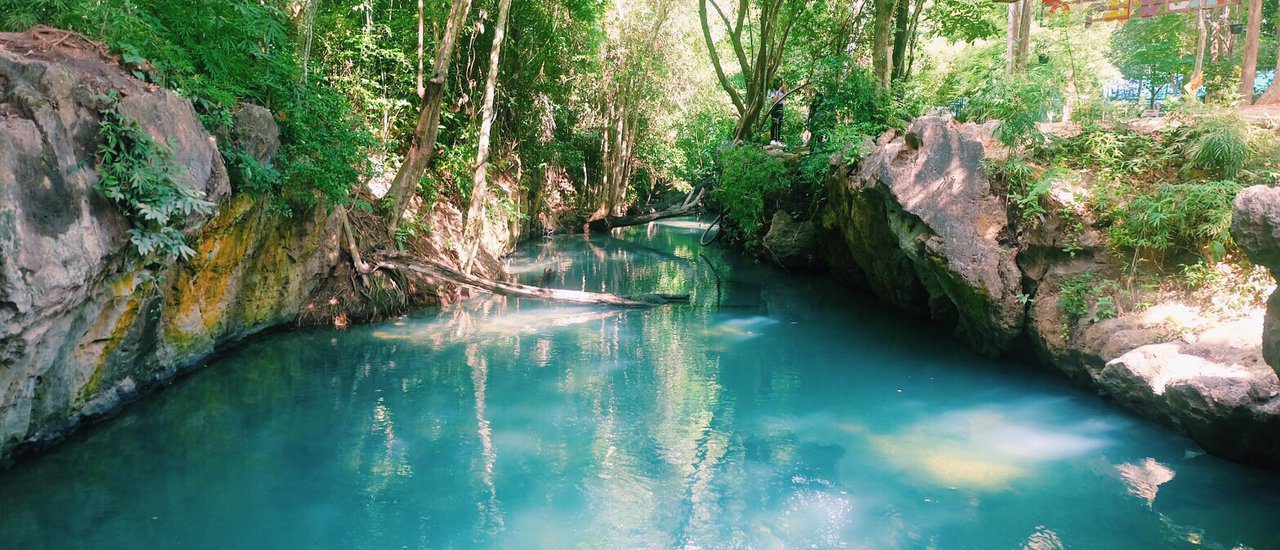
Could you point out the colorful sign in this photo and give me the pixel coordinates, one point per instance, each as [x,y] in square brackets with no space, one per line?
[1119,10]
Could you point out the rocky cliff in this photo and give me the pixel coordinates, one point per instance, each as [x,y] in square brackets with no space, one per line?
[84,325]
[918,223]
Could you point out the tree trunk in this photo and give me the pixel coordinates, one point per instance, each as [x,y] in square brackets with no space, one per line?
[901,26]
[1251,51]
[603,225]
[1024,35]
[423,147]
[518,290]
[911,37]
[715,60]
[1202,38]
[422,91]
[881,64]
[474,222]
[1011,38]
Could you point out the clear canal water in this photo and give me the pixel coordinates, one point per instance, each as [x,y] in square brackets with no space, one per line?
[774,411]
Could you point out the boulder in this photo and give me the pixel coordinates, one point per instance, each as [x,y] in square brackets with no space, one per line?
[918,223]
[84,323]
[255,132]
[792,244]
[1255,226]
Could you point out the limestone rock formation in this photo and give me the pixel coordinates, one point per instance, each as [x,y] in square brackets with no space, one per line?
[792,244]
[918,224]
[1255,226]
[84,324]
[255,132]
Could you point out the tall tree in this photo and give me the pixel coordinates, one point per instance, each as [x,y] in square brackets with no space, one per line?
[1272,95]
[474,222]
[1150,50]
[881,63]
[422,148]
[901,27]
[766,39]
[1251,38]
[1202,39]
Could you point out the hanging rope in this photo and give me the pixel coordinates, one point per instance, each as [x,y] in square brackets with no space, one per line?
[703,241]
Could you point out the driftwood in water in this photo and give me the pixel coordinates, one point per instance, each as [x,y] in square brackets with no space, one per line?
[532,292]
[603,225]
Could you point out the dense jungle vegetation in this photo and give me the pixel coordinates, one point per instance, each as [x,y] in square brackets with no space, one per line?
[593,108]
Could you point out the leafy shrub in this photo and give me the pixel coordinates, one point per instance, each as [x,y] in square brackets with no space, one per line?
[217,55]
[747,177]
[1169,191]
[249,175]
[1087,296]
[1192,215]
[323,153]
[136,173]
[1219,144]
[1025,185]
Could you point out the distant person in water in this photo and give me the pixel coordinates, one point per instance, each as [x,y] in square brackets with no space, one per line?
[775,114]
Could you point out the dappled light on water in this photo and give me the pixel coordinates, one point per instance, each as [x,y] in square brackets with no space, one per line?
[770,412]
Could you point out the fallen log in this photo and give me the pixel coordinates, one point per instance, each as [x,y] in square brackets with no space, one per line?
[603,225]
[532,292]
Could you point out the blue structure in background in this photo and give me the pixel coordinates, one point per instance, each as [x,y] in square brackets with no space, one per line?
[1128,90]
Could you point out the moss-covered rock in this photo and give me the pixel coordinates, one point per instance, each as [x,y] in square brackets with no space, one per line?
[85,325]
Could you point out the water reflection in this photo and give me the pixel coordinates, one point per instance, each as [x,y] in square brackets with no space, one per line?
[771,411]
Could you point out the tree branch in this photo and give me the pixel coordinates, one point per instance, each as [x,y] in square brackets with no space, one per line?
[715,60]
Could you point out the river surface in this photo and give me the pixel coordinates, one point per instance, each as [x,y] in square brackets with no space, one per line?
[774,411]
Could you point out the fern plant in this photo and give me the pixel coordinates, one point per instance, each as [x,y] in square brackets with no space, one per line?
[136,173]
[1219,144]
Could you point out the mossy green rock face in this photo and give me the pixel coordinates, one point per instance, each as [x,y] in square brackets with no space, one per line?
[84,326]
[918,224]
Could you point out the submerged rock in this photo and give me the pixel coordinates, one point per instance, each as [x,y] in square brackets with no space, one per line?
[1144,479]
[85,325]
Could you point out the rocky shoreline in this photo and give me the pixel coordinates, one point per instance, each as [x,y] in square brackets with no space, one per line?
[85,326]
[918,224]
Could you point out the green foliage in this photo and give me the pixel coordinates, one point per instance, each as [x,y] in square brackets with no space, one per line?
[849,103]
[1087,296]
[1151,50]
[249,175]
[979,90]
[326,154]
[1190,215]
[136,173]
[218,55]
[748,177]
[1165,195]
[967,20]
[1219,144]
[411,229]
[1024,184]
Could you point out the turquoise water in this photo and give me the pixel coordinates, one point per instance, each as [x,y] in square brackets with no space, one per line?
[775,411]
